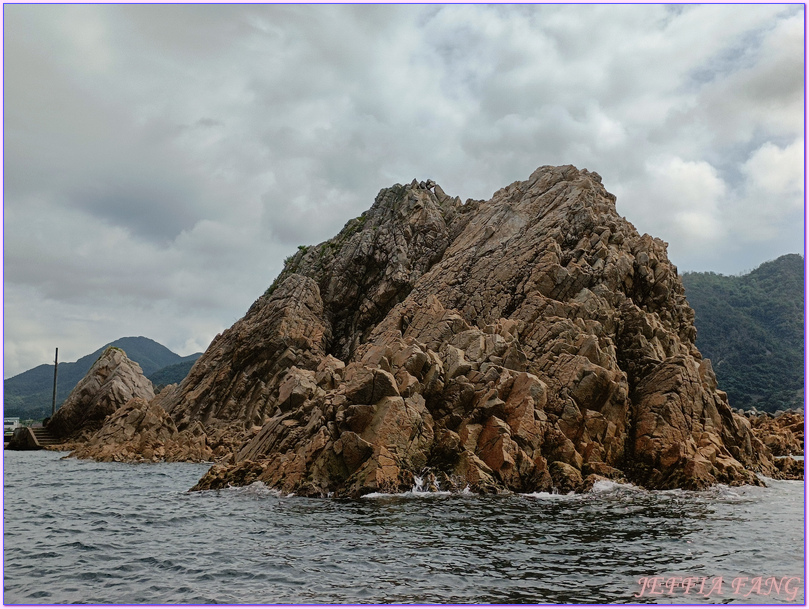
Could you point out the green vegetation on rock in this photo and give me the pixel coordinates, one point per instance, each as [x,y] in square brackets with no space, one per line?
[751,328]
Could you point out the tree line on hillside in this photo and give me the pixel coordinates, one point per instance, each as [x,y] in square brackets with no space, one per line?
[751,328]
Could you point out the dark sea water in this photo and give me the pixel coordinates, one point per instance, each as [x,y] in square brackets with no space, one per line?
[79,531]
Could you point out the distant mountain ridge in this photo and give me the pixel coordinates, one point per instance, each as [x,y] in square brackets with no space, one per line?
[751,328]
[29,394]
[173,373]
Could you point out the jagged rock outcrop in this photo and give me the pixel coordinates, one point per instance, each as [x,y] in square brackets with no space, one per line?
[782,433]
[237,377]
[531,342]
[143,431]
[789,469]
[110,383]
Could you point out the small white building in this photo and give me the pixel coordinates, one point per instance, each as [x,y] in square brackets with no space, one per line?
[10,424]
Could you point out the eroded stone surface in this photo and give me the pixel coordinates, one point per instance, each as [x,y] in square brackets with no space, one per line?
[531,342]
[782,433]
[143,431]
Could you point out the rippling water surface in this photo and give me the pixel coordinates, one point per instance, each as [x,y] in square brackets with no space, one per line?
[78,531]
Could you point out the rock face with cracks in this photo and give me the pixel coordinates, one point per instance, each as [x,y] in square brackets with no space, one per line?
[782,433]
[143,431]
[531,342]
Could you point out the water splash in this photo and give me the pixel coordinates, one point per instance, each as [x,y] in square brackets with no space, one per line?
[256,489]
[610,486]
[554,496]
[423,486]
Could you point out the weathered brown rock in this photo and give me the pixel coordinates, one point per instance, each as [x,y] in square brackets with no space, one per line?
[782,433]
[112,381]
[143,431]
[239,377]
[789,468]
[531,342]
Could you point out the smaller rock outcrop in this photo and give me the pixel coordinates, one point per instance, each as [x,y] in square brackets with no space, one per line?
[143,431]
[112,381]
[782,434]
[789,469]
[114,415]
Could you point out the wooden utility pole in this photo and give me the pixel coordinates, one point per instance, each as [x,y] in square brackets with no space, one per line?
[55,371]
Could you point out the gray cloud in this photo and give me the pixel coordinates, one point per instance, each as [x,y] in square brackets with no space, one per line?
[162,160]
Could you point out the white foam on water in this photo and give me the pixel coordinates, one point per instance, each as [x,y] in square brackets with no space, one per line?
[258,489]
[407,495]
[420,489]
[377,495]
[428,494]
[600,487]
[609,486]
[552,496]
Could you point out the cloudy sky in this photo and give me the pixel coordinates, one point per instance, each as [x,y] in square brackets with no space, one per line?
[161,161]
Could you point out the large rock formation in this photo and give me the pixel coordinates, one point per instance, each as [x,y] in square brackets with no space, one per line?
[110,383]
[530,342]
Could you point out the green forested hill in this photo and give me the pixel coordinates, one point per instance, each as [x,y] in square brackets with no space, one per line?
[29,395]
[751,328]
[173,373]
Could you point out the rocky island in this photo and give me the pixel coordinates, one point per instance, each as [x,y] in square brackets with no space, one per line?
[531,342]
